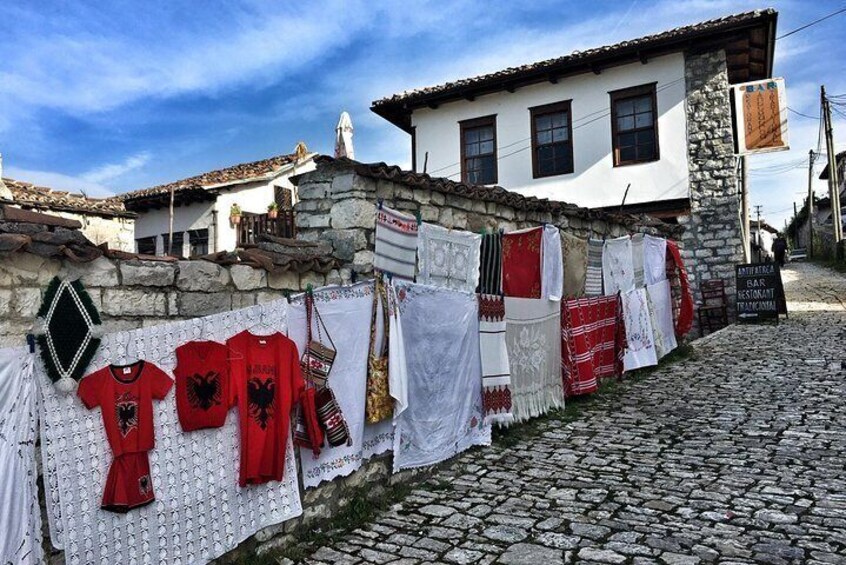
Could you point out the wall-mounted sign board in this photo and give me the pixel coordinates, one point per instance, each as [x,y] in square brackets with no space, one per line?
[760,116]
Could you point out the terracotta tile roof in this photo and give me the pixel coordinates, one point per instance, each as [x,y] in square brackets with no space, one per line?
[496,194]
[43,198]
[224,176]
[680,38]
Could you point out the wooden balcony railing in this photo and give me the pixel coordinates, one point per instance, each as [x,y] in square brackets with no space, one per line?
[252,225]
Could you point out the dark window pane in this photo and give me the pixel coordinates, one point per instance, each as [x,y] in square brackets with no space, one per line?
[646,136]
[626,139]
[625,123]
[485,134]
[643,104]
[560,134]
[625,107]
[199,242]
[471,150]
[486,147]
[646,151]
[628,153]
[544,137]
[559,119]
[643,120]
[543,122]
[471,135]
[146,245]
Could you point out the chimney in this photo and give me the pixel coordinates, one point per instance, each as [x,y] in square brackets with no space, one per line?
[5,193]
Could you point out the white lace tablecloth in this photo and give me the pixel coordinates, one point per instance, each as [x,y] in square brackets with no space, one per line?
[448,258]
[200,512]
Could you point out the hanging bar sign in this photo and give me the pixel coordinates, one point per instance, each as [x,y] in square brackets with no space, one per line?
[760,111]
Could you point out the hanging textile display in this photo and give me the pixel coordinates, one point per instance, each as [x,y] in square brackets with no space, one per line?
[552,275]
[680,290]
[593,276]
[444,415]
[661,309]
[200,512]
[521,263]
[396,243]
[379,404]
[575,252]
[533,337]
[202,384]
[20,513]
[640,342]
[490,266]
[637,260]
[496,372]
[266,382]
[125,394]
[346,312]
[592,342]
[654,259]
[448,258]
[67,331]
[618,265]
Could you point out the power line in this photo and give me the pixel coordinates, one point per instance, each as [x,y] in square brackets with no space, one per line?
[813,23]
[803,115]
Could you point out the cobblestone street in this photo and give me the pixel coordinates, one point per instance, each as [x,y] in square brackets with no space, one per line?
[734,455]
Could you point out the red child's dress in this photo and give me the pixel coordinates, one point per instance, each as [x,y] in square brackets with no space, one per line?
[125,396]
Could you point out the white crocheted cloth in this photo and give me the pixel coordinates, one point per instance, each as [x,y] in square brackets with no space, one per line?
[200,512]
[20,514]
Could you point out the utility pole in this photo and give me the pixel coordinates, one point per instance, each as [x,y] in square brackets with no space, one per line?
[744,209]
[833,181]
[811,156]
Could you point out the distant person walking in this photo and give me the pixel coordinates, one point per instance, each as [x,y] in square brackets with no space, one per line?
[780,249]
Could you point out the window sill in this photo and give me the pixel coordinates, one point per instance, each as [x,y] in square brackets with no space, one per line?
[630,163]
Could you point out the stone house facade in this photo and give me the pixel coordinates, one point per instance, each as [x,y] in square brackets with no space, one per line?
[642,126]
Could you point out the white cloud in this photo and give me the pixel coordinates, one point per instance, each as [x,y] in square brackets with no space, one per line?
[112,171]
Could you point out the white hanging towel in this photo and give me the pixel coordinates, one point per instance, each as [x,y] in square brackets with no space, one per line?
[661,308]
[637,259]
[20,513]
[654,259]
[618,265]
[444,415]
[640,341]
[552,274]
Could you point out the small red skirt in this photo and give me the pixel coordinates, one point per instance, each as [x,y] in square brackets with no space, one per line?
[128,484]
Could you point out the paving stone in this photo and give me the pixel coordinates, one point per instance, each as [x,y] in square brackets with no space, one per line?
[733,456]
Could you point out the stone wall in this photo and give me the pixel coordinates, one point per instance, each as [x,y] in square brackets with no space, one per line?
[713,237]
[338,204]
[132,293]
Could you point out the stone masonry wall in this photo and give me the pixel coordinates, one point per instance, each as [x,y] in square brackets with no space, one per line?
[338,205]
[713,240]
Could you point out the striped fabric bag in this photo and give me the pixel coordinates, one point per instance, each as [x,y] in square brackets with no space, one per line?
[593,278]
[396,243]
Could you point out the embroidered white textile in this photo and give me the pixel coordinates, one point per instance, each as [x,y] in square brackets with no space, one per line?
[533,339]
[661,309]
[200,512]
[552,273]
[448,258]
[346,311]
[640,348]
[444,415]
[20,513]
[593,273]
[618,265]
[637,259]
[654,259]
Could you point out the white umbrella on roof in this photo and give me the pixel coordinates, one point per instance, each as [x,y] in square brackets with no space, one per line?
[343,137]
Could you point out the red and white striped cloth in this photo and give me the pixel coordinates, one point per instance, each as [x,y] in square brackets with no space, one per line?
[592,342]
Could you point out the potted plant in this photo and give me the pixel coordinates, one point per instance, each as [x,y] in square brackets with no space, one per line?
[272,210]
[235,214]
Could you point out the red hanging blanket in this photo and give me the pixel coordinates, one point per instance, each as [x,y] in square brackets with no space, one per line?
[521,263]
[592,342]
[679,290]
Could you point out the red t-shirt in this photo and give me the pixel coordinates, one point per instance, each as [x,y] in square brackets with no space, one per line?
[202,385]
[265,381]
[125,396]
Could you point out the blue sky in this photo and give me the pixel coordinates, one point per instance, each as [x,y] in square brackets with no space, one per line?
[127,95]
